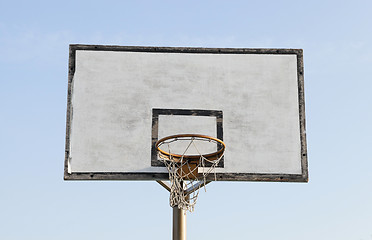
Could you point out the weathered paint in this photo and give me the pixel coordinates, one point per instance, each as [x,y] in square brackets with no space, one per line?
[156,173]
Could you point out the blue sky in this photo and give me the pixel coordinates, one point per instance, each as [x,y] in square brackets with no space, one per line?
[35,202]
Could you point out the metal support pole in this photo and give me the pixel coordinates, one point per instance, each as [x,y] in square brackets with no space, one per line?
[179,215]
[179,224]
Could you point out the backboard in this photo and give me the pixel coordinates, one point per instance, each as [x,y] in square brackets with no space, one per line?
[121,100]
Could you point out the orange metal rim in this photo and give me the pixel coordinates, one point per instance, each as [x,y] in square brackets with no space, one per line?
[209,155]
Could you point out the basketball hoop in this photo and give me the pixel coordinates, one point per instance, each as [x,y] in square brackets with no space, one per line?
[188,172]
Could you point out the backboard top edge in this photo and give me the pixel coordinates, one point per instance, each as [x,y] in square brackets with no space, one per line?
[77,47]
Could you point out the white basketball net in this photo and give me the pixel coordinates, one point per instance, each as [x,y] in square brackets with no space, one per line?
[184,176]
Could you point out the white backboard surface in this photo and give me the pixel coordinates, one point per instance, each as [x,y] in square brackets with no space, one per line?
[123,99]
